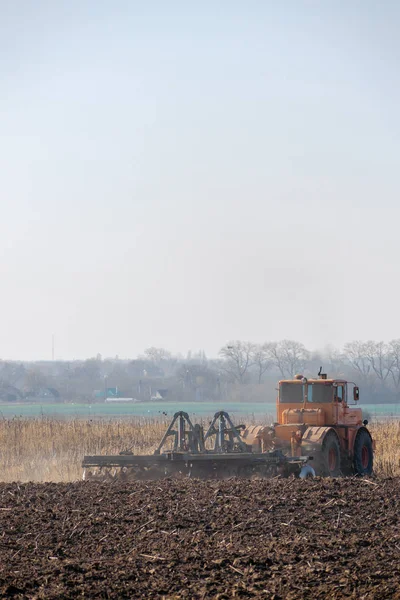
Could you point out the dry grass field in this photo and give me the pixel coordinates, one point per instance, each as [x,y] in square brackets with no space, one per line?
[52,449]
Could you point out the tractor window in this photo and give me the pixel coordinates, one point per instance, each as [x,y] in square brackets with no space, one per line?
[291,392]
[319,393]
[339,396]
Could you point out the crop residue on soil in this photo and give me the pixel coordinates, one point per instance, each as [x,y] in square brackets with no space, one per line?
[284,539]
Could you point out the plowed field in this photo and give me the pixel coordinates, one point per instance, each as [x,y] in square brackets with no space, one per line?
[194,539]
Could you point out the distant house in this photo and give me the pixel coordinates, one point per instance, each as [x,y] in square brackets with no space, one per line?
[160,394]
[110,392]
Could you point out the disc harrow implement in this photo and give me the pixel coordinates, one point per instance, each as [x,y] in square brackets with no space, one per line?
[187,451]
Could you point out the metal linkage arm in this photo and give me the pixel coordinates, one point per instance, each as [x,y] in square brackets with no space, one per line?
[187,437]
[222,426]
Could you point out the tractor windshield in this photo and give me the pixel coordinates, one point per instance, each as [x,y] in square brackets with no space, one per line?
[319,393]
[291,393]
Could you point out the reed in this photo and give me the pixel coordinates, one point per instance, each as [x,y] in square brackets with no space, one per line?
[387,456]
[48,449]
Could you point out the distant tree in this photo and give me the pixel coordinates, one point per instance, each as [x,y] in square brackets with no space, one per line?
[144,368]
[336,361]
[238,358]
[91,369]
[197,377]
[261,359]
[163,359]
[380,357]
[34,380]
[394,350]
[12,373]
[289,357]
[356,353]
[157,355]
[198,357]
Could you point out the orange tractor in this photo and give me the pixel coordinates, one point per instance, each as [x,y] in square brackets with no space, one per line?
[315,419]
[318,433]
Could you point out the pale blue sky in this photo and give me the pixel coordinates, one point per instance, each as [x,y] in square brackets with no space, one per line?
[183,173]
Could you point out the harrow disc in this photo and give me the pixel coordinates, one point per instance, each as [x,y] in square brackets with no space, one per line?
[100,474]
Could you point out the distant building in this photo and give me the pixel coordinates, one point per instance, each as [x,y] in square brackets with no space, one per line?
[110,392]
[160,394]
[121,400]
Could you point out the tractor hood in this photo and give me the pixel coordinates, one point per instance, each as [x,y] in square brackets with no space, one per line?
[300,416]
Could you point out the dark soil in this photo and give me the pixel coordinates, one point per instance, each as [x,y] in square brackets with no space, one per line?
[284,539]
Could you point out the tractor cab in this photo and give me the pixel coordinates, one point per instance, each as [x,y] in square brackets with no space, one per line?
[318,402]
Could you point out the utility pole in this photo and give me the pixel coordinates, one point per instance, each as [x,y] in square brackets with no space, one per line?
[52,347]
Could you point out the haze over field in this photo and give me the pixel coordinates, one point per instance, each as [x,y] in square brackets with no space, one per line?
[181,174]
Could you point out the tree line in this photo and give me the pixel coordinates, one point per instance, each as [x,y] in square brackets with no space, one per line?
[242,371]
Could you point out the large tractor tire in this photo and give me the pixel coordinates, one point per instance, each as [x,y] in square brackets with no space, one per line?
[328,463]
[363,453]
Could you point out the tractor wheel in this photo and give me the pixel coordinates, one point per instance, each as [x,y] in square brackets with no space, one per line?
[329,463]
[363,454]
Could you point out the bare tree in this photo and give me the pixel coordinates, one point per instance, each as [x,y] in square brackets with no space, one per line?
[238,358]
[196,376]
[12,373]
[261,359]
[380,357]
[157,355]
[357,355]
[394,350]
[163,359]
[34,380]
[288,356]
